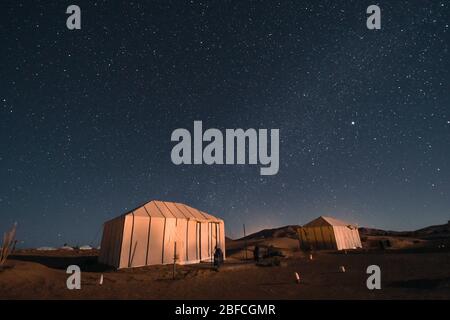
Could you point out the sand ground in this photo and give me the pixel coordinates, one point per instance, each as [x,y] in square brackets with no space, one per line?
[406,274]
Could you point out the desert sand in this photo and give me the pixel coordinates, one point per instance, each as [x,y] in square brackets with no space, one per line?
[412,269]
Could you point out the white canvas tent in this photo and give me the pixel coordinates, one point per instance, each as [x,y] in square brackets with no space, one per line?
[329,233]
[159,231]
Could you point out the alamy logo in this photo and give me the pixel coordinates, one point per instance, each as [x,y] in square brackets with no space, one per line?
[74,280]
[374,280]
[374,20]
[73,22]
[236,143]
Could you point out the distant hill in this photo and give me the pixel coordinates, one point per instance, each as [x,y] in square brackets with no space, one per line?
[286,239]
[434,232]
[428,233]
[363,231]
[282,232]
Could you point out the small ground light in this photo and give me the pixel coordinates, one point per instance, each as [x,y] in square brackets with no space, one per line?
[297,278]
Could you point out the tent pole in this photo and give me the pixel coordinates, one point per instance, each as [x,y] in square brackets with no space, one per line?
[245,243]
[174,259]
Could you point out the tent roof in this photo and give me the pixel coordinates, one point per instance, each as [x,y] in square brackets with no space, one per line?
[174,210]
[327,221]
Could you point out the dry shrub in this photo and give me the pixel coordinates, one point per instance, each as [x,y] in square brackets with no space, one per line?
[8,245]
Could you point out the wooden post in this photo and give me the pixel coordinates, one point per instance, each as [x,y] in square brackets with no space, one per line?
[174,259]
[14,246]
[245,243]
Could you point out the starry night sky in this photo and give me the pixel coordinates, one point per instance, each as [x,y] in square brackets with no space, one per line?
[86,116]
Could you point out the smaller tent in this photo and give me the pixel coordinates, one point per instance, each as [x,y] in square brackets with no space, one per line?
[329,233]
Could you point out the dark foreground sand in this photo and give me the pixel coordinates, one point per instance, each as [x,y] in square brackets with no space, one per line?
[407,274]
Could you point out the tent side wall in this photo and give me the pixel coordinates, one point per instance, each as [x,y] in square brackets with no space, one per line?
[347,238]
[216,238]
[140,239]
[144,241]
[355,238]
[169,240]
[111,243]
[181,249]
[205,243]
[192,254]
[222,238]
[329,238]
[321,234]
[155,241]
[318,237]
[339,239]
[194,240]
[202,237]
[139,243]
[127,240]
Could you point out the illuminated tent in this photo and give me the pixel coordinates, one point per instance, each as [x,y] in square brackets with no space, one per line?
[159,232]
[329,233]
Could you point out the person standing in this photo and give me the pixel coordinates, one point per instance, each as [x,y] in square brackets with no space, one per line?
[256,254]
[218,257]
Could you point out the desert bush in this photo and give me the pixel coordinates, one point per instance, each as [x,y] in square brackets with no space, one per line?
[7,245]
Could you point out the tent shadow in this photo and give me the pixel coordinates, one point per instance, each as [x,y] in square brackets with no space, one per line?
[86,263]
